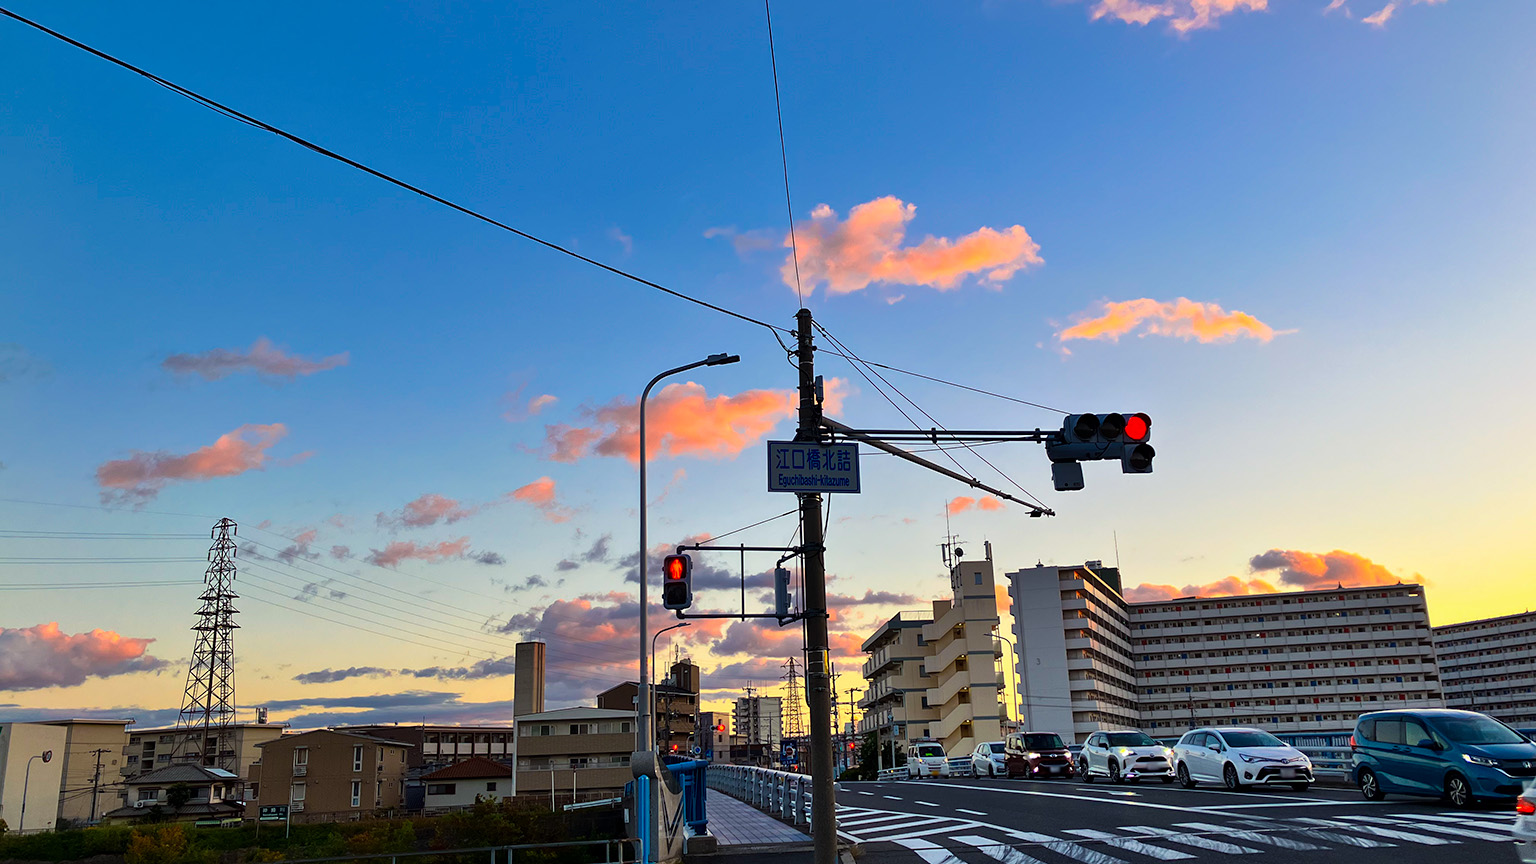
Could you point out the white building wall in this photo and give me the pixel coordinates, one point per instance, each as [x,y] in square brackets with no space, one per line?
[1041,650]
[1490,666]
[19,742]
[466,791]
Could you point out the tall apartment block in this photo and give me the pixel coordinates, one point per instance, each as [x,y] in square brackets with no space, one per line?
[151,749]
[1490,666]
[934,674]
[758,722]
[1288,662]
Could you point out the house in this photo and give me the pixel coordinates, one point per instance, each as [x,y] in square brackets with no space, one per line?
[181,793]
[331,776]
[463,783]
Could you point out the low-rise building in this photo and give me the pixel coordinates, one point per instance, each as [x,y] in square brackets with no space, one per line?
[327,775]
[433,747]
[677,705]
[463,783]
[233,749]
[578,752]
[181,793]
[31,774]
[93,754]
[1489,665]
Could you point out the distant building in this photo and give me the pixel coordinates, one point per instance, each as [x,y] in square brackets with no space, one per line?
[578,752]
[329,775]
[715,731]
[435,746]
[19,743]
[677,705]
[463,783]
[182,793]
[1490,666]
[758,722]
[528,678]
[93,756]
[934,674]
[152,749]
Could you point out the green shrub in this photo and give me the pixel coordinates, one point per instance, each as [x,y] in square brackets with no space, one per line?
[158,844]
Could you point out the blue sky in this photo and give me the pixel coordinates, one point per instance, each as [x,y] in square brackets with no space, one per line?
[1364,191]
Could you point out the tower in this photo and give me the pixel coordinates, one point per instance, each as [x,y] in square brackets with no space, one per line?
[208,705]
[792,728]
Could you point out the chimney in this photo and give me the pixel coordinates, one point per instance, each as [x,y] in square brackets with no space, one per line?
[528,678]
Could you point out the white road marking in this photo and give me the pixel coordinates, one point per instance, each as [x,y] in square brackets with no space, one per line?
[997,851]
[862,792]
[1470,820]
[1221,808]
[864,820]
[1319,834]
[972,812]
[1067,848]
[1252,836]
[931,852]
[1393,833]
[890,797]
[1194,840]
[902,832]
[926,803]
[1130,845]
[1127,794]
[1122,802]
[1494,815]
[1461,831]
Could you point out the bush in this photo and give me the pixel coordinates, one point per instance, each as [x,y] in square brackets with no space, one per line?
[160,844]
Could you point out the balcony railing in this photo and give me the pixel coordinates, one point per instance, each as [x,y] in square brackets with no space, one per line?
[300,770]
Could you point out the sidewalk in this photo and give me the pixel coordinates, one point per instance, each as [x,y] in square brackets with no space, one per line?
[736,823]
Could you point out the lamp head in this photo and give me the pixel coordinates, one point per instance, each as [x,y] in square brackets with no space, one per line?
[721,359]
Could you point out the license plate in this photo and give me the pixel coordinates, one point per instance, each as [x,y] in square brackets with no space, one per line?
[1288,773]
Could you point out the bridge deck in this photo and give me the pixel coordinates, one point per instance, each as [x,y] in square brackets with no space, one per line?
[735,823]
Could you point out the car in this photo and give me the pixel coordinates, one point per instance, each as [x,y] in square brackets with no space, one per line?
[926,759]
[1525,825]
[1461,756]
[1127,754]
[1036,754]
[987,759]
[1238,756]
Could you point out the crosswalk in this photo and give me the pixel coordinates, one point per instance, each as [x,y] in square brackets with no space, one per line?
[935,838]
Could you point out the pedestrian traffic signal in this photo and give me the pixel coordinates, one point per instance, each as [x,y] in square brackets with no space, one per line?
[1092,437]
[677,582]
[781,592]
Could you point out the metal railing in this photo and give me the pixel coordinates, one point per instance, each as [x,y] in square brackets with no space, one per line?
[777,793]
[614,852]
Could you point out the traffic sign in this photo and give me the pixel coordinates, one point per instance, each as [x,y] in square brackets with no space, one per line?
[273,813]
[795,466]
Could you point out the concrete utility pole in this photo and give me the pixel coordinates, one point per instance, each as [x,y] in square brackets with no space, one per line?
[818,681]
[95,784]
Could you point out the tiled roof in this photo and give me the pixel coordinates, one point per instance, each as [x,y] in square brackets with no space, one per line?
[183,774]
[472,768]
[377,740]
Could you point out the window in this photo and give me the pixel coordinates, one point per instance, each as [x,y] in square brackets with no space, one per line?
[381,756]
[490,787]
[378,793]
[357,793]
[149,794]
[300,756]
[441,788]
[296,794]
[357,758]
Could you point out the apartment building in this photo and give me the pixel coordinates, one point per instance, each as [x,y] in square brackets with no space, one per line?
[239,748]
[31,765]
[432,747]
[1074,660]
[716,736]
[328,775]
[1490,666]
[934,674]
[677,705]
[94,753]
[758,723]
[583,752]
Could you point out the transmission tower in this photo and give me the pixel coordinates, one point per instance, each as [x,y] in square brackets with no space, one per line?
[208,706]
[792,728]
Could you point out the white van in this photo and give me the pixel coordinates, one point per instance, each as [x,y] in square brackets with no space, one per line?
[926,759]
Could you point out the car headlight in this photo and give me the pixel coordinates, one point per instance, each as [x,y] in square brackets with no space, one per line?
[1250,759]
[1124,751]
[1480,760]
[1168,753]
[1032,755]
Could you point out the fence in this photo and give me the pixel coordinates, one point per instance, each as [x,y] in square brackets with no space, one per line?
[778,793]
[613,853]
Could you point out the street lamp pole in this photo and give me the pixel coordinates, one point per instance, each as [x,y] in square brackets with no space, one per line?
[644,740]
[653,673]
[26,781]
[1018,695]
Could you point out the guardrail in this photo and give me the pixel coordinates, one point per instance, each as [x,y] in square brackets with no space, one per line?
[778,793]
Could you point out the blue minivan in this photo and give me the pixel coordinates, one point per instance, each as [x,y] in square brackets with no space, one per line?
[1462,756]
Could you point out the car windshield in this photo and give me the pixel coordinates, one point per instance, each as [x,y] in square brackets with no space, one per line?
[996,746]
[1043,742]
[1477,730]
[1131,739]
[1252,738]
[928,751]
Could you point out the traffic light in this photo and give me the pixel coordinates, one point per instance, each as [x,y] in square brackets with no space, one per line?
[677,582]
[781,592]
[1091,437]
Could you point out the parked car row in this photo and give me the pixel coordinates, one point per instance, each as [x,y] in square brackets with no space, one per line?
[1460,756]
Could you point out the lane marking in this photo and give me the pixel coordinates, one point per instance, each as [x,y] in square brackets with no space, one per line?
[1121,802]
[926,803]
[972,812]
[997,851]
[931,852]
[1475,814]
[890,797]
[862,792]
[1392,833]
[1067,848]
[1131,845]
[865,821]
[1453,830]
[1220,808]
[1470,821]
[1194,840]
[1252,836]
[1319,834]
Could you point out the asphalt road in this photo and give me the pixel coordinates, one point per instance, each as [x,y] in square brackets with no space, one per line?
[984,821]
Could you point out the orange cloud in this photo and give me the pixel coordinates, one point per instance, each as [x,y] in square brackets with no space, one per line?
[1182,318]
[429,509]
[1182,15]
[682,420]
[849,255]
[262,358]
[1382,15]
[1228,587]
[140,477]
[541,494]
[1310,571]
[963,503]
[404,550]
[44,656]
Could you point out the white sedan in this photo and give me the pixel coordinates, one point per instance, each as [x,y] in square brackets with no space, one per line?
[988,760]
[1124,755]
[1238,756]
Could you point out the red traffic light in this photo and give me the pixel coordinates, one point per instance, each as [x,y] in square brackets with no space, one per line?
[720,727]
[1137,427]
[675,568]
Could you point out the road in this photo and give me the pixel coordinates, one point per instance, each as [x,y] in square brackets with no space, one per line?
[985,821]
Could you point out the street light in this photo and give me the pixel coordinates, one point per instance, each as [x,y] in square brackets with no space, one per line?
[26,780]
[653,673]
[644,740]
[1018,695]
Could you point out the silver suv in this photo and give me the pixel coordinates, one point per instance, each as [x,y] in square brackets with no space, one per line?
[1124,755]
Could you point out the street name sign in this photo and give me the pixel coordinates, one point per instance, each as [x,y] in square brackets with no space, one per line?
[795,466]
[274,812]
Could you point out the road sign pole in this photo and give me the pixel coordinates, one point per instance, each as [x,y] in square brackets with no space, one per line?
[818,682]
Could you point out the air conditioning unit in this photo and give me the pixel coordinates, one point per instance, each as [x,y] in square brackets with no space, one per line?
[139,805]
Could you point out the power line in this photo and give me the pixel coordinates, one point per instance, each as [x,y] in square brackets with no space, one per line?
[778,110]
[87,586]
[330,154]
[945,382]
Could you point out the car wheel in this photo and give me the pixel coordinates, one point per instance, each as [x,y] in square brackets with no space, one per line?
[1185,780]
[1229,777]
[1082,770]
[1458,791]
[991,772]
[1114,772]
[1370,787]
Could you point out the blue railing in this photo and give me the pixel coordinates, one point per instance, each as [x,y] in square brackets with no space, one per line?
[694,778]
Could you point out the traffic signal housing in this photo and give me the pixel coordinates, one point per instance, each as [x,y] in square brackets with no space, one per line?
[677,582]
[781,592]
[1092,437]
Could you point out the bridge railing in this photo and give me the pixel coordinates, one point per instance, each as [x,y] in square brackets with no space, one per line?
[777,793]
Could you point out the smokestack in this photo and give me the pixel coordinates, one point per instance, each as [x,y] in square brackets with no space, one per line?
[528,679]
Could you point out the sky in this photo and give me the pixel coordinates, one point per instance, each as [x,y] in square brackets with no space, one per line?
[1298,235]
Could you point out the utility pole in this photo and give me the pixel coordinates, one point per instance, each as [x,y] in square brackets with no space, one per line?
[95,783]
[818,683]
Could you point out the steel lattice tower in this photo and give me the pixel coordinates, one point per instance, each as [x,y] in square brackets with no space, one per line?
[791,717]
[208,706]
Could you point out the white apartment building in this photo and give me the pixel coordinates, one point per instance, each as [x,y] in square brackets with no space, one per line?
[935,674]
[25,770]
[759,721]
[1288,662]
[1490,666]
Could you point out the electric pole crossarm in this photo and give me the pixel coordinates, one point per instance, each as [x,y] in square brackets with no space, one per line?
[858,435]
